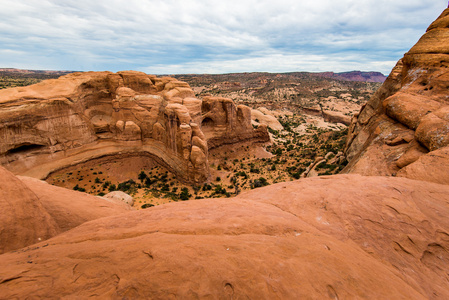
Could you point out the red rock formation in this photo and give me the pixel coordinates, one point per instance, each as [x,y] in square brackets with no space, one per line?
[24,220]
[71,208]
[406,122]
[355,76]
[225,123]
[81,116]
[341,237]
[34,211]
[338,237]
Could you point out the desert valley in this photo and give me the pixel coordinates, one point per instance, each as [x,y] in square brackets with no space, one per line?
[306,115]
[235,186]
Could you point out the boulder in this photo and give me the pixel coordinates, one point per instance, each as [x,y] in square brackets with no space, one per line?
[120,196]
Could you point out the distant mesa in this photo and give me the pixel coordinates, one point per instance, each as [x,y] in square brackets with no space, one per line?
[82,116]
[355,76]
[24,71]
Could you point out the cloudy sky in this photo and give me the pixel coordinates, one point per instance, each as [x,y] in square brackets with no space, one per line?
[210,36]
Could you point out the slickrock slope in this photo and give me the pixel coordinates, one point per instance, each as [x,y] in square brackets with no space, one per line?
[404,129]
[33,211]
[82,116]
[24,220]
[71,208]
[338,237]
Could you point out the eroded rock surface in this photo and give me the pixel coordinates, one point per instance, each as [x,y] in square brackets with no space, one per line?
[407,121]
[33,211]
[264,116]
[82,116]
[225,123]
[24,220]
[345,236]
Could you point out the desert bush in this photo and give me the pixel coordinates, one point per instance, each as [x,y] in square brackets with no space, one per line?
[128,186]
[142,176]
[78,188]
[259,183]
[219,190]
[165,187]
[242,174]
[185,195]
[146,205]
[207,187]
[112,187]
[149,181]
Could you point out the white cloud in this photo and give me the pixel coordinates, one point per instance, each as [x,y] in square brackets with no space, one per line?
[275,63]
[223,36]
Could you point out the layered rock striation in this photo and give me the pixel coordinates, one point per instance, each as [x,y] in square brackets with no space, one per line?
[225,123]
[404,128]
[82,116]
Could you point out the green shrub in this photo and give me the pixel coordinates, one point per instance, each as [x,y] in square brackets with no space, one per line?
[185,195]
[112,187]
[207,187]
[142,176]
[259,183]
[127,186]
[80,189]
[146,205]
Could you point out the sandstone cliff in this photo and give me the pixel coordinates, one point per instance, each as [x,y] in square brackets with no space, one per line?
[81,116]
[404,129]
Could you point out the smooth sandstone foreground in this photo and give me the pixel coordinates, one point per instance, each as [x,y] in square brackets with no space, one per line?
[33,211]
[339,237]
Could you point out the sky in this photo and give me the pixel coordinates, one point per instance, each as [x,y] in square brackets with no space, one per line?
[209,36]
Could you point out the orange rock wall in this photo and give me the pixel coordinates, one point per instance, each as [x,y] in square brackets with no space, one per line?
[407,121]
[81,116]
